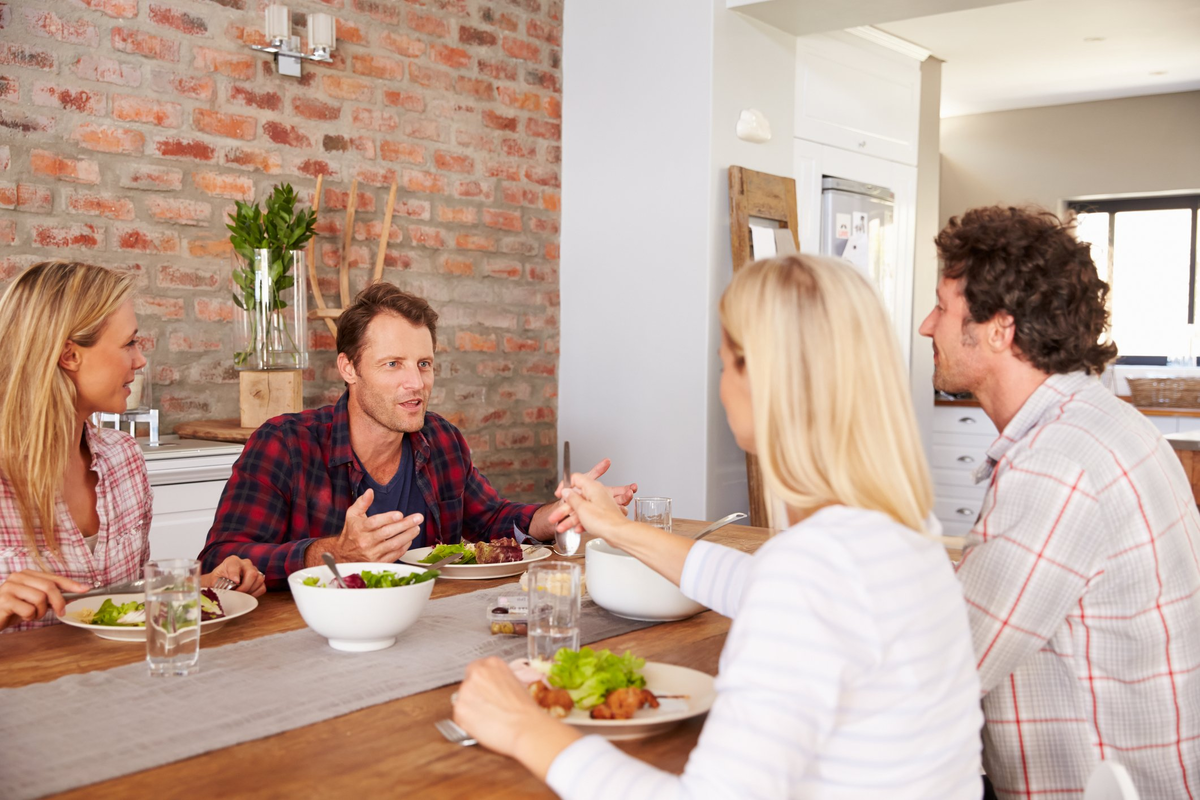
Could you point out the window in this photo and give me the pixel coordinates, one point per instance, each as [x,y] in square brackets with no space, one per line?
[1145,248]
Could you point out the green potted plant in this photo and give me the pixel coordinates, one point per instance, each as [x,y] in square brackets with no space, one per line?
[268,281]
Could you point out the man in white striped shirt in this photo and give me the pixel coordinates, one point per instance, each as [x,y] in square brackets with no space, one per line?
[1082,573]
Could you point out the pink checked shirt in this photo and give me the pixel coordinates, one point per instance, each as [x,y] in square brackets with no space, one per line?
[123,501]
[1082,580]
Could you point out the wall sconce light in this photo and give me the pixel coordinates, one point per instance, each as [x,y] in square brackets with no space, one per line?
[286,48]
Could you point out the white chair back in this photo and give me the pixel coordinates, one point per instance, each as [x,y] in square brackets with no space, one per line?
[1110,781]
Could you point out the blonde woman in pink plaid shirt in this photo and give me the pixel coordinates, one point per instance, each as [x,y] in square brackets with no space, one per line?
[75,501]
[1082,573]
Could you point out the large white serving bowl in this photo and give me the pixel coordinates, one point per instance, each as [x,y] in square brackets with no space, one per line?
[620,583]
[358,620]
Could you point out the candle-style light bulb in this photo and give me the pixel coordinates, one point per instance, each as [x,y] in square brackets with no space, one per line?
[321,32]
[279,22]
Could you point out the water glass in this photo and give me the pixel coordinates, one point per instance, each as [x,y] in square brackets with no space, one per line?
[173,616]
[554,598]
[654,511]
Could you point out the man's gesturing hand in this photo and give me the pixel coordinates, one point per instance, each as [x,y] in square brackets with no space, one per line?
[379,538]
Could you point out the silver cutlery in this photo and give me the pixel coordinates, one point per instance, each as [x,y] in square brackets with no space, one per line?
[332,564]
[443,562]
[223,584]
[721,523]
[453,733]
[567,543]
[129,587]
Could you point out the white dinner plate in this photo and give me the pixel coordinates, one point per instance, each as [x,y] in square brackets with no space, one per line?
[476,572]
[662,679]
[235,604]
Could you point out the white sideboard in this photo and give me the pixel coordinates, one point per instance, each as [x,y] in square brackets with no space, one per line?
[187,476]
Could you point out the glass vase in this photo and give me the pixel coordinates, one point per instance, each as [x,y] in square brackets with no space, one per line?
[271,314]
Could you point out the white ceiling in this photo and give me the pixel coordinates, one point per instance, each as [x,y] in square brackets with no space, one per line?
[1035,53]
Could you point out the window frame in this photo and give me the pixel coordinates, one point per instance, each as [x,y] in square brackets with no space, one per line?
[1114,206]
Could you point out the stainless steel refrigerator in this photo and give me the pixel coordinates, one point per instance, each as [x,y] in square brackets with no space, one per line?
[858,223]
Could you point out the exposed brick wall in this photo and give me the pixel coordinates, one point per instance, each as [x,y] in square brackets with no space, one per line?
[129,127]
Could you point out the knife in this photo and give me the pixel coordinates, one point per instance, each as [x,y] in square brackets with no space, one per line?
[567,465]
[442,562]
[116,588]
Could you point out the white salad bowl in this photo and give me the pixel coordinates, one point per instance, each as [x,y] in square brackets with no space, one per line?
[621,584]
[358,620]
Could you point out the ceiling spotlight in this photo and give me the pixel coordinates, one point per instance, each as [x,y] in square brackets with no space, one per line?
[1159,72]
[1093,38]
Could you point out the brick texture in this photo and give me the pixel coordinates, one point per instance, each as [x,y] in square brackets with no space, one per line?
[128,128]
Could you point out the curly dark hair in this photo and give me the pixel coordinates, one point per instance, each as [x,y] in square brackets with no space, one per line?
[1028,263]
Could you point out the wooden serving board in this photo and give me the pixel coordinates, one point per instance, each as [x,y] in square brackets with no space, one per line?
[220,430]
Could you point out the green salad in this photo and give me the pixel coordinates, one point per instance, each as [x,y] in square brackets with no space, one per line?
[446,550]
[376,580]
[589,675]
[109,613]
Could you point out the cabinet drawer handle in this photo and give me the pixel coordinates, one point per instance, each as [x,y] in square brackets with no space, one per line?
[967,420]
[966,459]
[965,512]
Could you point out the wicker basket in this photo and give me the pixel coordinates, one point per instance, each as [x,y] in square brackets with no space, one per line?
[1166,392]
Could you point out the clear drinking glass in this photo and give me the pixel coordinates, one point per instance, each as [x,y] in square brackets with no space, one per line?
[139,390]
[654,511]
[554,598]
[173,616]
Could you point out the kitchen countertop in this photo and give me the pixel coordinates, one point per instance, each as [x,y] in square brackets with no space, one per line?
[1189,440]
[172,446]
[1150,411]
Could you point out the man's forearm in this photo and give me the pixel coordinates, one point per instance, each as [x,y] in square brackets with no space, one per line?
[540,527]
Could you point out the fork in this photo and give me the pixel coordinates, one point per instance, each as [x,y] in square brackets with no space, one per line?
[453,733]
[223,584]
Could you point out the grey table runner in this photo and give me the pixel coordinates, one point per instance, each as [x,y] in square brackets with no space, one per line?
[295,678]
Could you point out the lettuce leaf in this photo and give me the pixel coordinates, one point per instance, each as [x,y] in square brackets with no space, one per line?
[109,612]
[386,580]
[588,675]
[443,550]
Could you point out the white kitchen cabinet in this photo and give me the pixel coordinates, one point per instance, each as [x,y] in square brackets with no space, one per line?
[857,96]
[961,438]
[187,477]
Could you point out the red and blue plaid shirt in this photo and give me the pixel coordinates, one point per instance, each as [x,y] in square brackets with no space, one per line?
[298,475]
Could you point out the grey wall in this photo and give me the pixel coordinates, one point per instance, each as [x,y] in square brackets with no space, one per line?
[1046,155]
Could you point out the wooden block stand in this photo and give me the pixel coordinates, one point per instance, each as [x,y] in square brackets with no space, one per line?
[268,393]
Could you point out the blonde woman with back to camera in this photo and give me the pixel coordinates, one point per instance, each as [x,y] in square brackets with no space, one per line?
[75,500]
[848,670]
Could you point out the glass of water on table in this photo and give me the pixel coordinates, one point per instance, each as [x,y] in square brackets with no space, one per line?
[173,616]
[554,608]
[654,511]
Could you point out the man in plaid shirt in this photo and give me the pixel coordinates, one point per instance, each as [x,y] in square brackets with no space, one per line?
[1082,573]
[372,475]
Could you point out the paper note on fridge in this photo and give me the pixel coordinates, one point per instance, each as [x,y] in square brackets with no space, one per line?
[762,239]
[842,228]
[856,253]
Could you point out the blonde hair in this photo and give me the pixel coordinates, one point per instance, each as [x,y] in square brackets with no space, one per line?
[48,305]
[833,419]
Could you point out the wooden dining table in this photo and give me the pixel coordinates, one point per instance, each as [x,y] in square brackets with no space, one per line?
[391,748]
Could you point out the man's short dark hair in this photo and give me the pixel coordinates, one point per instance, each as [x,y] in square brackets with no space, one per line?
[1028,263]
[380,298]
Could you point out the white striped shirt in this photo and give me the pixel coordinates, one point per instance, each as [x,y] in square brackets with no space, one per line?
[847,673]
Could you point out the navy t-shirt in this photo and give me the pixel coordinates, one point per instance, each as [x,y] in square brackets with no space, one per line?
[401,493]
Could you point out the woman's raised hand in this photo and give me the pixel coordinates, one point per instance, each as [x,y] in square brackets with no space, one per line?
[591,503]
